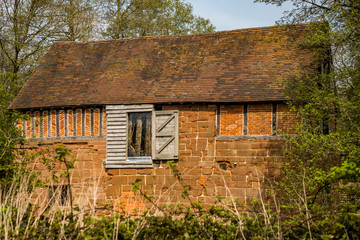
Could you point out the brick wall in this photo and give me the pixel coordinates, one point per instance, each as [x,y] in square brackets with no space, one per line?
[287,121]
[231,119]
[212,165]
[260,119]
[257,119]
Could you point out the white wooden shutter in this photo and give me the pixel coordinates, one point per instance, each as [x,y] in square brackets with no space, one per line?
[165,134]
[116,137]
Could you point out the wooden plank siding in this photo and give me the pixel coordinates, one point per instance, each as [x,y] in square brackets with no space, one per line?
[116,140]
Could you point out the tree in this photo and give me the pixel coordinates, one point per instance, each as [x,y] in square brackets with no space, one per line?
[77,20]
[26,30]
[28,27]
[131,18]
[320,190]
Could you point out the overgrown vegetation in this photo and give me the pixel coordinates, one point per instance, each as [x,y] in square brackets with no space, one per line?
[318,196]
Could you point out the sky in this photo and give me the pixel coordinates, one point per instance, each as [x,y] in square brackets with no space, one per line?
[237,14]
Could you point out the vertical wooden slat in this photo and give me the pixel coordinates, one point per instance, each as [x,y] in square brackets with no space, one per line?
[274,110]
[245,119]
[138,136]
[148,138]
[130,137]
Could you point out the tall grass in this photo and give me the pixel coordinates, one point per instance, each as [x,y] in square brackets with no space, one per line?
[27,213]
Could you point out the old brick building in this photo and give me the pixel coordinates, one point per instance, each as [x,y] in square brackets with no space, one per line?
[213,103]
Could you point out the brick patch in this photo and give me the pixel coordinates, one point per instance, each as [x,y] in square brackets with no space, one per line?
[53,123]
[231,119]
[28,126]
[87,122]
[62,123]
[259,119]
[96,122]
[36,124]
[45,118]
[70,120]
[79,122]
[129,203]
[287,121]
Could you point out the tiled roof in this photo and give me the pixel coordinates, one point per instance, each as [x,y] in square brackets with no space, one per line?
[246,65]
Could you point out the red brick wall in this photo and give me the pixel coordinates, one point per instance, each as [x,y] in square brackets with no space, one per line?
[62,123]
[287,121]
[28,126]
[259,119]
[53,123]
[231,119]
[36,124]
[79,123]
[45,118]
[70,122]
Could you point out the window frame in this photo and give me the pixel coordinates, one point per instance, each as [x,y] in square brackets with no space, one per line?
[139,158]
[117,136]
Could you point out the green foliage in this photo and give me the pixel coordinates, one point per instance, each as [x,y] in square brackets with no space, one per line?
[133,18]
[9,139]
[318,194]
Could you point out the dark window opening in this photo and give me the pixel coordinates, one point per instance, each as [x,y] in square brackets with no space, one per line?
[139,134]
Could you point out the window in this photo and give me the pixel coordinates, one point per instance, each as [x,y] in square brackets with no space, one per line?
[137,134]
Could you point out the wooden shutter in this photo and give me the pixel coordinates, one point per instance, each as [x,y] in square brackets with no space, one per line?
[116,138]
[165,134]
